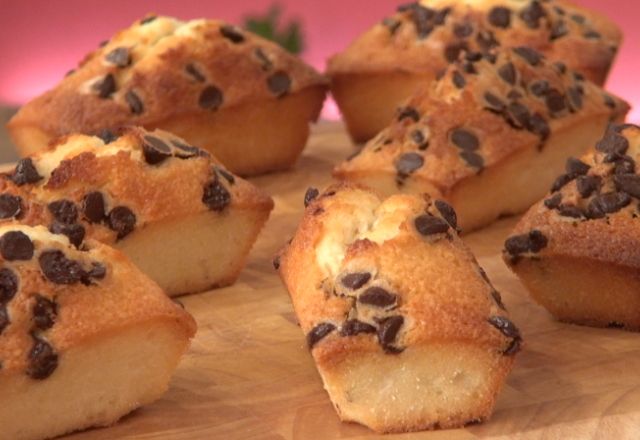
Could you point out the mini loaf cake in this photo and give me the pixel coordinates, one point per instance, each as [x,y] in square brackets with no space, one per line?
[405,328]
[170,207]
[383,67]
[489,137]
[232,93]
[578,250]
[85,337]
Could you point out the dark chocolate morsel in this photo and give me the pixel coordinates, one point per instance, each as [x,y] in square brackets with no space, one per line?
[473,159]
[231,33]
[464,139]
[560,182]
[57,268]
[562,67]
[571,211]
[408,112]
[519,115]
[556,103]
[500,17]
[429,225]
[16,245]
[353,327]
[155,150]
[185,151]
[216,196]
[508,329]
[8,285]
[587,185]
[75,232]
[508,73]
[194,73]
[486,40]
[495,103]
[107,136]
[462,30]
[211,98]
[379,298]
[612,202]
[264,59]
[458,80]
[576,167]
[575,98]
[613,143]
[94,207]
[388,331]
[98,272]
[106,86]
[25,172]
[43,359]
[121,220]
[447,212]
[276,262]
[119,56]
[539,87]
[310,195]
[148,19]
[355,280]
[534,241]
[10,205]
[531,56]
[537,125]
[279,83]
[532,14]
[226,174]
[409,163]
[419,139]
[5,320]
[559,29]
[554,201]
[44,312]
[135,102]
[592,34]
[319,332]
[64,211]
[628,183]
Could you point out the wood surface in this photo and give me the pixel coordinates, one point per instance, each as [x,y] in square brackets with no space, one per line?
[249,375]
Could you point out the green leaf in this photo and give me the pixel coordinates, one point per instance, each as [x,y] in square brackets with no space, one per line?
[267,26]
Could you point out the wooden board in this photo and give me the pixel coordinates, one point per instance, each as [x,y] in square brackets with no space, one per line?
[248,374]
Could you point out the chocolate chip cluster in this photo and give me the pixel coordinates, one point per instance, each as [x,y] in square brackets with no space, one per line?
[16,248]
[210,96]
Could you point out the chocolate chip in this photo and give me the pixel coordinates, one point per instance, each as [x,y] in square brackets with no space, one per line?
[628,183]
[473,159]
[560,182]
[279,83]
[388,331]
[508,73]
[108,136]
[25,172]
[495,103]
[408,112]
[559,10]
[491,57]
[9,206]
[216,196]
[276,262]
[354,327]
[419,139]
[98,272]
[16,245]
[612,202]
[458,80]
[592,34]
[509,330]
[608,101]
[462,30]
[42,358]
[44,312]
[318,333]
[531,56]
[148,19]
[121,220]
[310,195]
[429,225]
[500,17]
[576,167]
[473,57]
[539,88]
[211,98]
[553,202]
[423,29]
[575,98]
[106,86]
[562,67]
[191,70]
[94,207]
[556,103]
[266,62]
[486,40]
[155,150]
[613,143]
[537,125]
[119,56]
[408,163]
[464,139]
[231,33]
[379,298]
[447,212]
[587,185]
[532,14]
[57,268]
[135,103]
[519,115]
[225,174]
[534,242]
[559,29]
[514,95]
[452,51]
[440,16]
[571,211]
[64,211]
[75,233]
[8,285]
[4,318]
[355,280]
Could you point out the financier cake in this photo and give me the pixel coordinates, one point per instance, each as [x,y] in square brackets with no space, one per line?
[85,337]
[180,216]
[489,136]
[383,66]
[578,250]
[230,92]
[405,328]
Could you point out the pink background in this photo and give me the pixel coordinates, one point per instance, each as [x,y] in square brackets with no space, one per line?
[40,40]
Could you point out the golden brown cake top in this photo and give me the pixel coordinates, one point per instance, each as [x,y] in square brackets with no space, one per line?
[592,210]
[54,297]
[160,68]
[107,186]
[424,36]
[384,275]
[482,110]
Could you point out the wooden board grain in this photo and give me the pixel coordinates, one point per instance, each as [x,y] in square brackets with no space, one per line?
[248,374]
